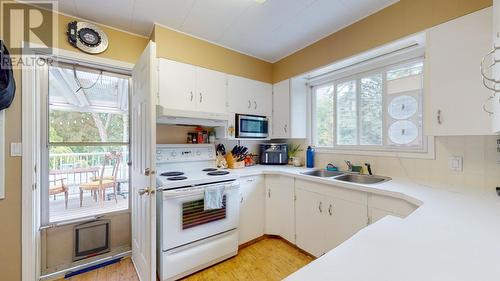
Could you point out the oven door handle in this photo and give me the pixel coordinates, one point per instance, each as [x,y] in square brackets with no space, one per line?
[177,193]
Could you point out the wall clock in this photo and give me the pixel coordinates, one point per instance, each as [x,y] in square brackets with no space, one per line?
[87,37]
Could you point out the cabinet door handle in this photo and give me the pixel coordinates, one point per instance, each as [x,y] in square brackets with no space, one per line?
[320,207]
[269,193]
[330,211]
[249,104]
[285,128]
[439,116]
[241,200]
[201,97]
[192,96]
[255,103]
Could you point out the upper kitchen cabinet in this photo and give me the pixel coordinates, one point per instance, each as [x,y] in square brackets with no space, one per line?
[188,88]
[248,96]
[290,109]
[455,92]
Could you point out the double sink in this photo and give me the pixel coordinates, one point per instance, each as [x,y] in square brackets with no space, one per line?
[347,177]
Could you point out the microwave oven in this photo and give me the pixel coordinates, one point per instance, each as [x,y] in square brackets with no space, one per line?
[252,126]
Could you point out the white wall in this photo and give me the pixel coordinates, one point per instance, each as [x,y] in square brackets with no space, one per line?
[480,170]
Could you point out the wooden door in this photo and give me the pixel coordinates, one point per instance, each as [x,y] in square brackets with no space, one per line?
[143,184]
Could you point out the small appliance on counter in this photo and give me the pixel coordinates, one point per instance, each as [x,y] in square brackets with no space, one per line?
[273,153]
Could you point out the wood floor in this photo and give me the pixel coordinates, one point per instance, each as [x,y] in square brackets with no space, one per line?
[270,259]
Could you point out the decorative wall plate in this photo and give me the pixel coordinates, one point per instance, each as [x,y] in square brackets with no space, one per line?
[87,37]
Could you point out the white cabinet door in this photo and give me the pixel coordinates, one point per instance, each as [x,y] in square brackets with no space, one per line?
[177,85]
[280,207]
[211,90]
[344,219]
[252,208]
[455,91]
[262,98]
[309,221]
[281,110]
[246,96]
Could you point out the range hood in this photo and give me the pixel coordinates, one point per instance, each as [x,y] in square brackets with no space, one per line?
[194,118]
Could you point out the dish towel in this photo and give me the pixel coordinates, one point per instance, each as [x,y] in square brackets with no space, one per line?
[213,197]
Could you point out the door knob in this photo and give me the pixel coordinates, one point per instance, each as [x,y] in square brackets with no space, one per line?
[148,172]
[146,191]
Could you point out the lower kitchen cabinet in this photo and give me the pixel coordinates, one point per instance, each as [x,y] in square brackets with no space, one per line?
[252,208]
[344,219]
[324,222]
[309,222]
[280,207]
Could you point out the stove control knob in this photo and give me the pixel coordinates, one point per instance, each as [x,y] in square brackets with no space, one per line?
[158,158]
[174,153]
[198,153]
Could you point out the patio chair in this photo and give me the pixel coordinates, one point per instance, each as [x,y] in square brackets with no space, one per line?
[59,188]
[97,186]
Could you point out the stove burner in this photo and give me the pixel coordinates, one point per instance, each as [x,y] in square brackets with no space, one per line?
[209,170]
[172,174]
[179,178]
[218,173]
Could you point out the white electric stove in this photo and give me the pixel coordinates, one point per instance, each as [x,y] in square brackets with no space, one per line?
[190,238]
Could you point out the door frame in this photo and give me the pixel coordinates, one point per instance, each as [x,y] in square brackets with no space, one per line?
[31,152]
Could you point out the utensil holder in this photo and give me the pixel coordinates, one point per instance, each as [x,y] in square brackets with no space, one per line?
[232,163]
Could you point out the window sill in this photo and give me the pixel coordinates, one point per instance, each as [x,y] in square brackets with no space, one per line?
[429,153]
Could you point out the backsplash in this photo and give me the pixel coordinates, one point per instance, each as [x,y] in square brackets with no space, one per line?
[480,169]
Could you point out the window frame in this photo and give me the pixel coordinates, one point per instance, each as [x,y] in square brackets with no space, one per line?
[357,73]
[45,219]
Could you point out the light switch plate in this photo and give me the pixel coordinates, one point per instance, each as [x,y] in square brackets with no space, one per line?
[16,149]
[456,163]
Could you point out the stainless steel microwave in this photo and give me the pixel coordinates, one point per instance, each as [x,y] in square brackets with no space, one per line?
[252,126]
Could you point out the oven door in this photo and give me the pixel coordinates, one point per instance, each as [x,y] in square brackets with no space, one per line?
[248,126]
[184,219]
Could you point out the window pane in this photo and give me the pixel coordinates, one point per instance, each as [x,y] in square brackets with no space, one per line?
[415,68]
[87,106]
[324,116]
[371,110]
[74,126]
[346,113]
[74,180]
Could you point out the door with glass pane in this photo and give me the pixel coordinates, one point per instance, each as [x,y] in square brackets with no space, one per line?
[87,141]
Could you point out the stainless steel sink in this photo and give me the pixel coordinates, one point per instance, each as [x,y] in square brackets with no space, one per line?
[363,179]
[323,173]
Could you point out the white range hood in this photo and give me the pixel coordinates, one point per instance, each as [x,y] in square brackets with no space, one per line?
[184,117]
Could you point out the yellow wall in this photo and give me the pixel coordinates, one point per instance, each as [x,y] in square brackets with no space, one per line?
[180,47]
[399,20]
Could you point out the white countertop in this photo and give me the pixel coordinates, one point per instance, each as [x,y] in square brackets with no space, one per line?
[451,236]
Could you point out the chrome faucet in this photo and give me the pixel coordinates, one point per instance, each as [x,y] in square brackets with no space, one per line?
[349,165]
[369,168]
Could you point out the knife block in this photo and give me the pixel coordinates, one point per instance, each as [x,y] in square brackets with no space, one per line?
[232,163]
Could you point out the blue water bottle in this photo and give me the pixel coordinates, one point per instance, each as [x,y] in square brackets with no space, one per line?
[310,157]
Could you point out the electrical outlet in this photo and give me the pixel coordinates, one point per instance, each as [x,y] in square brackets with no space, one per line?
[456,163]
